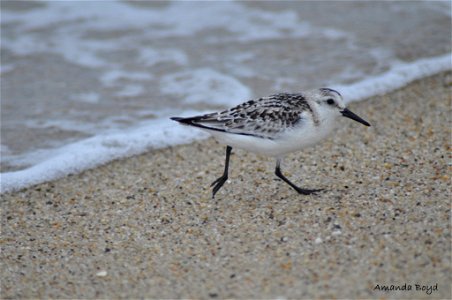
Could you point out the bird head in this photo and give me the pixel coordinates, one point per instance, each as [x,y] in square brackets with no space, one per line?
[330,103]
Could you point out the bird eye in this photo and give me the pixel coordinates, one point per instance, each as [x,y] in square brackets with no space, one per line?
[330,101]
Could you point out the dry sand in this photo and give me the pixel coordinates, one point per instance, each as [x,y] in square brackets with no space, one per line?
[147,227]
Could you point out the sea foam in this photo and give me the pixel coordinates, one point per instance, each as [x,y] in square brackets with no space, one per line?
[100,149]
[205,86]
[399,75]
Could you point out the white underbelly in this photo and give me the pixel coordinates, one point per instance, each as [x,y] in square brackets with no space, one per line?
[291,141]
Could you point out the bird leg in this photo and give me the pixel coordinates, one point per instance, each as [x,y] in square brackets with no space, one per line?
[299,190]
[218,183]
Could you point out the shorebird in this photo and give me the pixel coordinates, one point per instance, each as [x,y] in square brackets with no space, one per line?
[275,126]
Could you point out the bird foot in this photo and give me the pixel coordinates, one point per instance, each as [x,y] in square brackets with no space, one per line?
[308,191]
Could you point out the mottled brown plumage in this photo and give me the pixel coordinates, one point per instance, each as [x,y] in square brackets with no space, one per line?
[265,117]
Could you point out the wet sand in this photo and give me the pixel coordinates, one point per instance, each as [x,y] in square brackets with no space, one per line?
[146,226]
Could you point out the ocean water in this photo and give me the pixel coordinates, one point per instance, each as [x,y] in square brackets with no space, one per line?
[83,83]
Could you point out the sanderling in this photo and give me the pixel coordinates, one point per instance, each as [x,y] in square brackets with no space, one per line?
[275,125]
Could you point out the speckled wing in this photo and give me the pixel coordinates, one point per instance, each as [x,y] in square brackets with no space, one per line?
[265,117]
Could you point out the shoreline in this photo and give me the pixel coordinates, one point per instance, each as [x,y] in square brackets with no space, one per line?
[146,226]
[92,152]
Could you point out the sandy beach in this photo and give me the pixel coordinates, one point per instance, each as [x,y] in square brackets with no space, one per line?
[146,226]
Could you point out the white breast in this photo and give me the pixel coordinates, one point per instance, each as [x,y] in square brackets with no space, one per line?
[306,134]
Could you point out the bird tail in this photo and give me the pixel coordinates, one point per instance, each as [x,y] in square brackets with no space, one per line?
[185,121]
[197,122]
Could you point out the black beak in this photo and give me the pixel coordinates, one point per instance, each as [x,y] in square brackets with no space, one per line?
[348,114]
